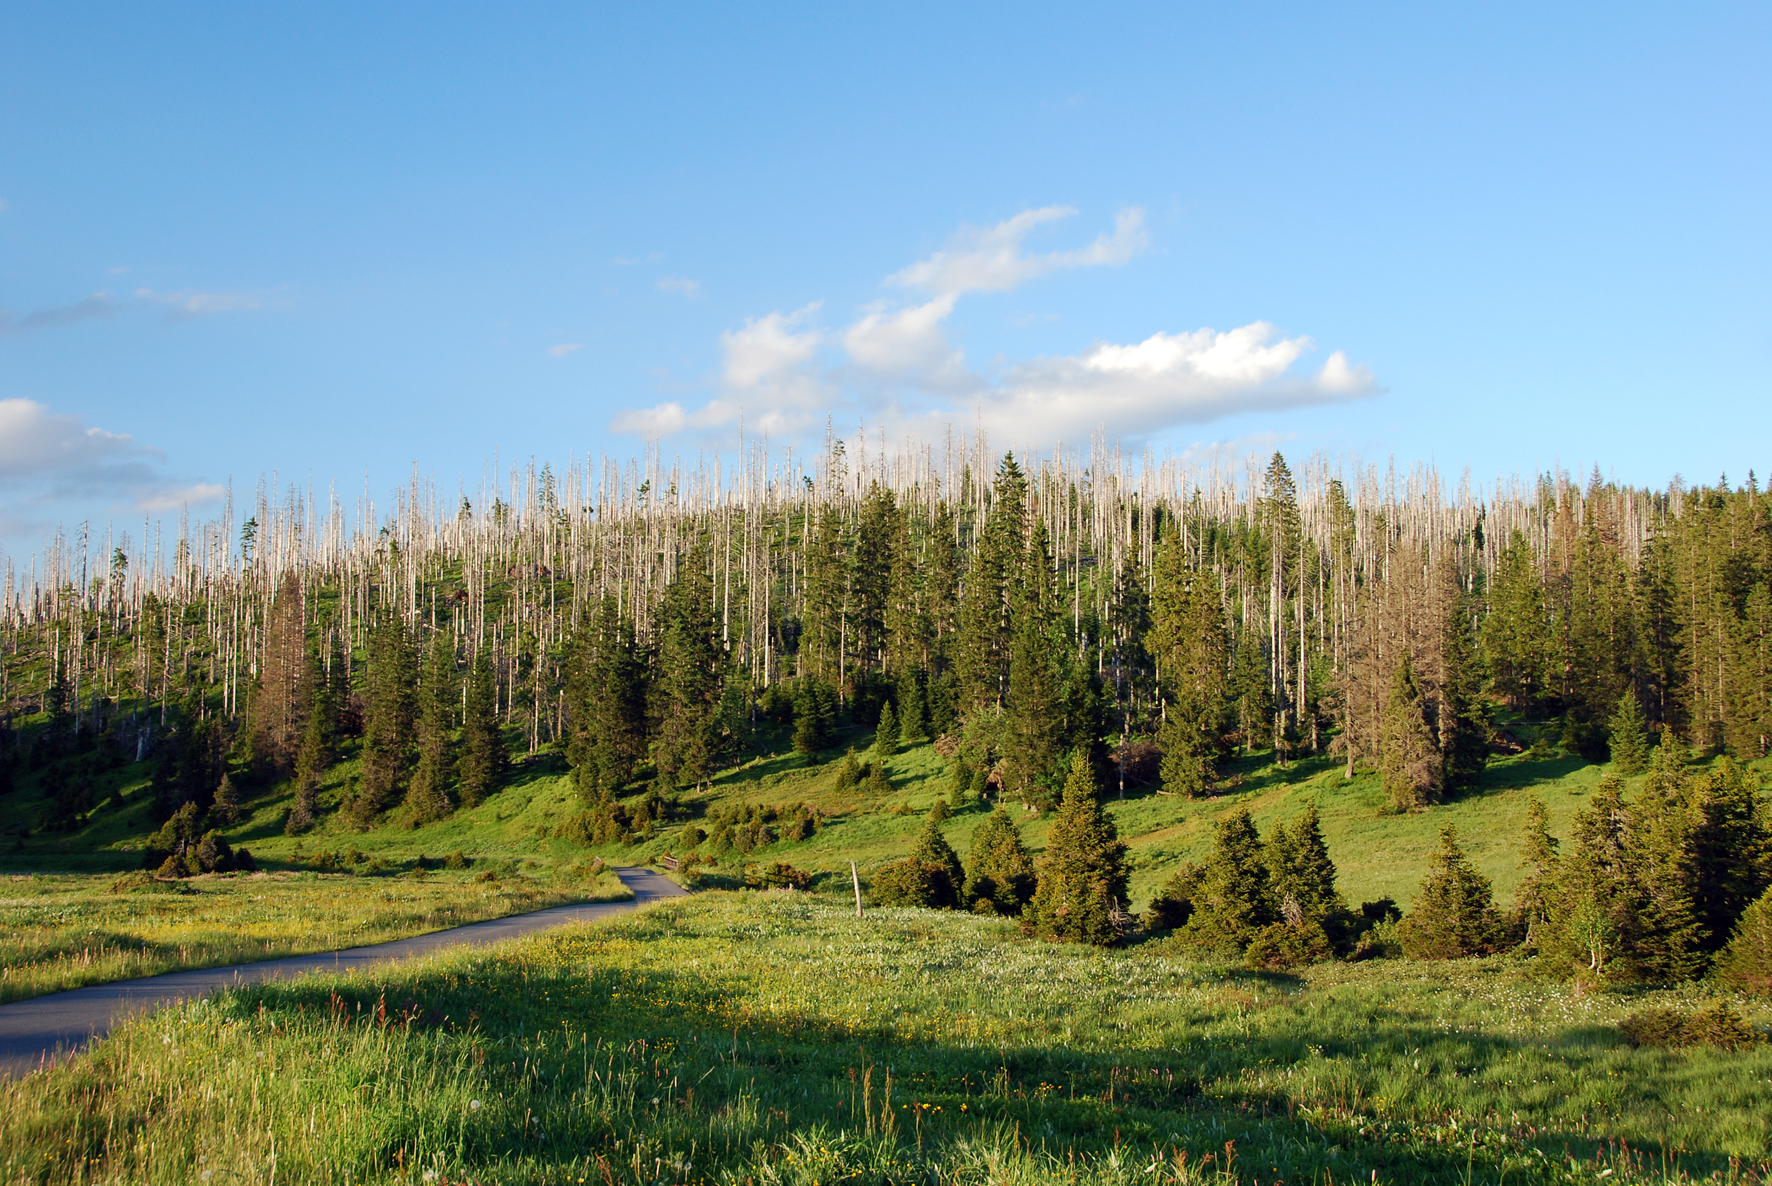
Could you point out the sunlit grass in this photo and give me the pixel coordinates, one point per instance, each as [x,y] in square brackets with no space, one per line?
[771,1038]
[65,931]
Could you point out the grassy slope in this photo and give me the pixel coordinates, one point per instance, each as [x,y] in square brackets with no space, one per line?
[735,1038]
[1376,854]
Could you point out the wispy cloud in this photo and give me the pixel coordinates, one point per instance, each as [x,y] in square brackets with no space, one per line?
[46,457]
[179,306]
[992,259]
[564,348]
[680,285]
[900,367]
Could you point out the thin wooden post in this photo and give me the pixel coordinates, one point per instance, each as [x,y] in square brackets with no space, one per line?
[855,878]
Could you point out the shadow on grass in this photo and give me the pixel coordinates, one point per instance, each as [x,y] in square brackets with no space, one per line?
[1368,1087]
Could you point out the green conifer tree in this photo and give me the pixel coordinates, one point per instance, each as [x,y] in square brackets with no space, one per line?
[226,808]
[1083,876]
[886,733]
[1454,914]
[1516,632]
[1728,852]
[690,676]
[1627,736]
[999,870]
[483,757]
[390,728]
[1462,721]
[1031,742]
[981,645]
[1535,897]
[606,687]
[932,848]
[1746,963]
[1235,897]
[427,795]
[1187,641]
[1299,867]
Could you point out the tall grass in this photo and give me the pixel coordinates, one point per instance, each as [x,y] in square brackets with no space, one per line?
[772,1038]
[64,931]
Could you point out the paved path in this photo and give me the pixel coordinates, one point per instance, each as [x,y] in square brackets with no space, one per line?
[36,1031]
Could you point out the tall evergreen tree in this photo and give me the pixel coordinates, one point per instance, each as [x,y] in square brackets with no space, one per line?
[1516,632]
[690,677]
[483,757]
[1299,867]
[606,686]
[279,698]
[932,848]
[886,733]
[1535,898]
[1462,722]
[1031,743]
[1188,641]
[1083,876]
[1728,852]
[427,795]
[981,646]
[390,727]
[1626,736]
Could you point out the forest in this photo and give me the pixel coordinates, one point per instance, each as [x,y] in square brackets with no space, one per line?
[1079,622]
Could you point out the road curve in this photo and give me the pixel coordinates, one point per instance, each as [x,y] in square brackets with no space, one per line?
[35,1032]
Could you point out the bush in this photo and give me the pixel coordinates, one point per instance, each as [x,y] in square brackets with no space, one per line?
[1284,945]
[849,773]
[456,860]
[1714,1025]
[1173,905]
[911,882]
[1747,962]
[778,875]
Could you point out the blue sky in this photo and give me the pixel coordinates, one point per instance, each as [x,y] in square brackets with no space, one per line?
[334,241]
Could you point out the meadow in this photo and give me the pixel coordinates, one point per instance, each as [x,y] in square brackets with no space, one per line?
[774,1038]
[64,931]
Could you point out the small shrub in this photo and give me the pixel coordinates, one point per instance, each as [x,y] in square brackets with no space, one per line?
[1714,1025]
[693,835]
[1173,905]
[779,875]
[911,882]
[849,774]
[486,875]
[456,860]
[1284,945]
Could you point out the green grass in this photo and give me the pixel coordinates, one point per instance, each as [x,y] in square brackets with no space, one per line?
[764,1038]
[64,931]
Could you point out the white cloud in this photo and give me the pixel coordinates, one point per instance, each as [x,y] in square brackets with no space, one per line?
[564,348]
[680,285]
[992,259]
[909,343]
[900,368]
[46,457]
[768,376]
[1164,381]
[179,306]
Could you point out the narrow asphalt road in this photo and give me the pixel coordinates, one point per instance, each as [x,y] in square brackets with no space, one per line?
[35,1032]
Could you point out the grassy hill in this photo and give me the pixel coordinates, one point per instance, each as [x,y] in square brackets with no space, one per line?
[1377,854]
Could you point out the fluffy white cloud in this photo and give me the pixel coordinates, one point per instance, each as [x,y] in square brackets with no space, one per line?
[900,368]
[680,285]
[46,457]
[564,348]
[992,259]
[1164,381]
[769,376]
[911,344]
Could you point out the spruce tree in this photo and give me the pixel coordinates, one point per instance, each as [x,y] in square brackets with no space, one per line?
[1187,640]
[1235,897]
[912,718]
[1747,723]
[1299,867]
[1626,736]
[981,644]
[1000,875]
[427,795]
[390,728]
[1516,632]
[886,733]
[1083,876]
[1665,943]
[606,687]
[1535,897]
[932,849]
[1031,743]
[226,808]
[1728,852]
[1746,963]
[1454,914]
[1408,759]
[1463,724]
[483,758]
[690,679]
[815,716]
